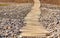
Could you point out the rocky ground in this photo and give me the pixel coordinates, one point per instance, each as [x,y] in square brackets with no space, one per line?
[50,18]
[12,19]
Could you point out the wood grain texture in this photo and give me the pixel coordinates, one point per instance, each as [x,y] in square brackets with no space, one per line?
[33,26]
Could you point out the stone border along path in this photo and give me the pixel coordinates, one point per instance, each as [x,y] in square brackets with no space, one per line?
[33,28]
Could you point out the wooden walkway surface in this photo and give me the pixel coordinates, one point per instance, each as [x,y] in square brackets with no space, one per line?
[33,27]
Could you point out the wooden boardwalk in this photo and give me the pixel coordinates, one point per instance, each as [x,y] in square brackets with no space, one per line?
[33,27]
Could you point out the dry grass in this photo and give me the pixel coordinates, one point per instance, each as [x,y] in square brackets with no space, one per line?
[3,4]
[17,1]
[56,2]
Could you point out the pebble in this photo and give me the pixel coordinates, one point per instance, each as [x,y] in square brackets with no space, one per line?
[12,19]
[50,18]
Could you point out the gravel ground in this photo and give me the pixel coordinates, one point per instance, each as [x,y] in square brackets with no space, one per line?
[50,18]
[12,19]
